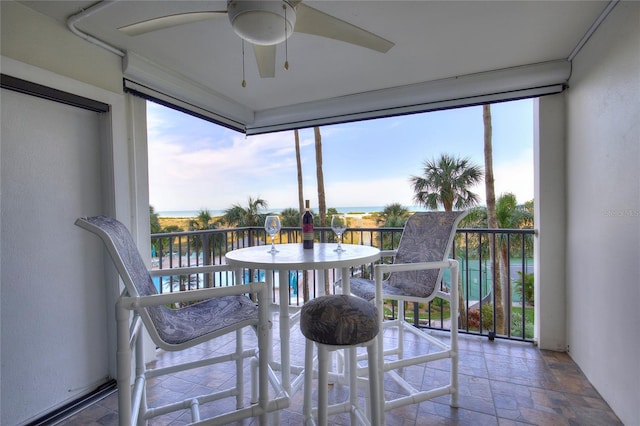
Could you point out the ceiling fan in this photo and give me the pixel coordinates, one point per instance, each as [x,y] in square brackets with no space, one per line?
[267,23]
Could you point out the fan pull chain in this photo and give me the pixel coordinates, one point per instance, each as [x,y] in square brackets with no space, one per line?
[286,50]
[244,82]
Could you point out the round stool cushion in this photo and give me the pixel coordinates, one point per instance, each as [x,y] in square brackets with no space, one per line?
[339,319]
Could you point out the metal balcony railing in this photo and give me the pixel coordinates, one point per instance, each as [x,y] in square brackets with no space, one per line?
[496,272]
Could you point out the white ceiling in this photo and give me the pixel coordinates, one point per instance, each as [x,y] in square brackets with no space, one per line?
[434,40]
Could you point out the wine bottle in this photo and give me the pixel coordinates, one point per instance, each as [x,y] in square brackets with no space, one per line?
[307,227]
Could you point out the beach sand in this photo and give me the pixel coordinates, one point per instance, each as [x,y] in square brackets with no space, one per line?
[355,221]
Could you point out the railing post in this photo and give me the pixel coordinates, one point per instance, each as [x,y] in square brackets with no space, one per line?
[206,260]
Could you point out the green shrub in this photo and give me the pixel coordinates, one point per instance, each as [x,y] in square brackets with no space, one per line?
[487,318]
[525,283]
[516,324]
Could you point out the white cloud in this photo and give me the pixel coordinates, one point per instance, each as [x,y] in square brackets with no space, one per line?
[265,167]
[214,178]
[195,165]
[370,192]
[516,176]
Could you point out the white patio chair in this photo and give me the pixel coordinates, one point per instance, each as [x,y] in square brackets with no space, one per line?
[216,312]
[415,276]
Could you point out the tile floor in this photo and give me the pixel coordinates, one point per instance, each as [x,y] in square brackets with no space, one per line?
[501,383]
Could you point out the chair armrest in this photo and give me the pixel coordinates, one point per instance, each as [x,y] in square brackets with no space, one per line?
[397,267]
[380,269]
[189,270]
[195,295]
[388,253]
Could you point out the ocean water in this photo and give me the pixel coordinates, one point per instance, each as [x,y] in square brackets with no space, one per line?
[348,209]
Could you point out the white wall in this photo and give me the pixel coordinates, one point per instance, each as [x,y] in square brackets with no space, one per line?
[53,57]
[603,211]
[550,195]
[53,47]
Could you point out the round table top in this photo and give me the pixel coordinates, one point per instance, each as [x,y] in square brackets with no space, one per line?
[293,256]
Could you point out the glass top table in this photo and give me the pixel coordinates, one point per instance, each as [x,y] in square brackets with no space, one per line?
[295,257]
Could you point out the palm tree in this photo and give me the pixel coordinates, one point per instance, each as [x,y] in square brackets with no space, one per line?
[203,242]
[172,228]
[290,217]
[393,215]
[527,208]
[154,221]
[446,182]
[155,228]
[299,168]
[240,216]
[331,237]
[202,221]
[510,215]
[322,204]
[305,279]
[525,287]
[492,219]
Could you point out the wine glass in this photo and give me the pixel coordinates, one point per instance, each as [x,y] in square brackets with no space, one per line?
[272,226]
[339,225]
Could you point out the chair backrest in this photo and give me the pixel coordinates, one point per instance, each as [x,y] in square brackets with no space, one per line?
[128,262]
[427,237]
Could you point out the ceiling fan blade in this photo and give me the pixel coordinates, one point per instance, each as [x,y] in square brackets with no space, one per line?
[169,21]
[266,59]
[313,21]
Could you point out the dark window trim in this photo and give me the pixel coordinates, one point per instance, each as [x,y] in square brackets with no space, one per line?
[169,101]
[34,89]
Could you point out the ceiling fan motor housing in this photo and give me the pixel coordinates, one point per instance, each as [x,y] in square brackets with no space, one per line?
[262,22]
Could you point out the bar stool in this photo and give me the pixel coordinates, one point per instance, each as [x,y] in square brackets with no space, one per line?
[335,322]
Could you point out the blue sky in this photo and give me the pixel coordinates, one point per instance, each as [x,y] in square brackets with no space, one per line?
[194,164]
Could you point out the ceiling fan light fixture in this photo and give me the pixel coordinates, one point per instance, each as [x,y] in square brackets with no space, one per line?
[262,22]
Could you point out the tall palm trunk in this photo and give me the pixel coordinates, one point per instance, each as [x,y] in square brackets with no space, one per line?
[299,164]
[322,205]
[492,218]
[305,277]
